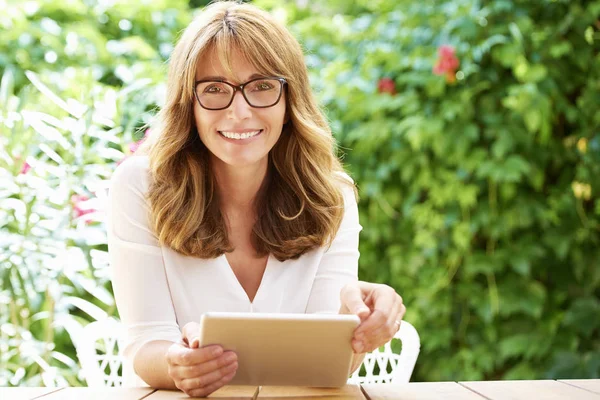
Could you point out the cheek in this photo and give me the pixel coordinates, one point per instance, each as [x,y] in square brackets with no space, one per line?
[281,114]
[202,120]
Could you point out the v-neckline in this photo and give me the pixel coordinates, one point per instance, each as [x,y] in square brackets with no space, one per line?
[238,284]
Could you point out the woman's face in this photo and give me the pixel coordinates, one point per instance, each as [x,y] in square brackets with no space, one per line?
[262,125]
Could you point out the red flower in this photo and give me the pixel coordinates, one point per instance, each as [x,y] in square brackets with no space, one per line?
[25,168]
[386,85]
[447,63]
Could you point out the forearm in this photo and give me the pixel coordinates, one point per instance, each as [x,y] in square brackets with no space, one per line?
[150,364]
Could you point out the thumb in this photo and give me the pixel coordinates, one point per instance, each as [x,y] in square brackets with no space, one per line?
[352,300]
[191,332]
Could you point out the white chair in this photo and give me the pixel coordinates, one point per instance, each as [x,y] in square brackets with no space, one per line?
[99,349]
[384,366]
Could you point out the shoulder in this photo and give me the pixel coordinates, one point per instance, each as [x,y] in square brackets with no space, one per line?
[132,174]
[347,187]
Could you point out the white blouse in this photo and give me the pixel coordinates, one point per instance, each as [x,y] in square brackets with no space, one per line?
[158,291]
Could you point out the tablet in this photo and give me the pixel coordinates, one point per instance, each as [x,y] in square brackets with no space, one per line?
[284,349]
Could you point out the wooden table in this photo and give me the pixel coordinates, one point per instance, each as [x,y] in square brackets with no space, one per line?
[492,390]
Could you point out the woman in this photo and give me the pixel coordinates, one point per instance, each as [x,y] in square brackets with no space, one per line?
[235,202]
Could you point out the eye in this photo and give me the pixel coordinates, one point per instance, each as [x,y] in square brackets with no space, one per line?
[262,86]
[212,89]
[215,88]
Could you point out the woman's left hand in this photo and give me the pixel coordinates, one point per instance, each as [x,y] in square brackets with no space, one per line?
[380,310]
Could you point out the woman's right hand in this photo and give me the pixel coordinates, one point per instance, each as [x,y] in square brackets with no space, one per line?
[199,371]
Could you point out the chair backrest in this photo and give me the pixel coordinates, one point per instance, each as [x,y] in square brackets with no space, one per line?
[99,349]
[384,366]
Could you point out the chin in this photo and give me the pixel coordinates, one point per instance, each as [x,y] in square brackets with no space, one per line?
[240,162]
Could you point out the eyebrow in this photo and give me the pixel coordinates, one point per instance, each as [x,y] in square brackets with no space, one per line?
[222,78]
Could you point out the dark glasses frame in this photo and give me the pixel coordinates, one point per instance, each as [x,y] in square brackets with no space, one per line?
[240,87]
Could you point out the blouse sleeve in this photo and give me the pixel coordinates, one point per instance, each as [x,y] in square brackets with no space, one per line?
[339,264]
[138,275]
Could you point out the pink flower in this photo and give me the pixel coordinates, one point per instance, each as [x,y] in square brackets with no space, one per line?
[80,210]
[136,145]
[447,63]
[386,85]
[25,168]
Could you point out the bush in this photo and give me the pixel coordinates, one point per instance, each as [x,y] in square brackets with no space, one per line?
[480,190]
[77,84]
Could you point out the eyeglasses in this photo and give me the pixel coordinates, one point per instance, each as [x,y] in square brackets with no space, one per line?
[259,92]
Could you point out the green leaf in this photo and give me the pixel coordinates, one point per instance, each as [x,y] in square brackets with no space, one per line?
[583,316]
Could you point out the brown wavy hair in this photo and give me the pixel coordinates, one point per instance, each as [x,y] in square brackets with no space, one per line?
[299,205]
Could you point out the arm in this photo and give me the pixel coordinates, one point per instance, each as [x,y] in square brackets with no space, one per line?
[138,276]
[150,364]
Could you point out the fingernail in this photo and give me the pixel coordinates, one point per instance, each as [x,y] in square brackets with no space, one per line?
[363,310]
[217,351]
[359,336]
[195,343]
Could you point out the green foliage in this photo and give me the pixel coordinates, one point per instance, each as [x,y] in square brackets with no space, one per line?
[480,198]
[77,83]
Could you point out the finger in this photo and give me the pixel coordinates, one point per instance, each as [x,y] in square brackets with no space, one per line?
[193,371]
[361,341]
[400,317]
[364,332]
[397,312]
[378,337]
[205,391]
[190,333]
[207,379]
[351,297]
[383,298]
[373,322]
[185,356]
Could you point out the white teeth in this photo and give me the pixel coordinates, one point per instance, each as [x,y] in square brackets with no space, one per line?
[245,135]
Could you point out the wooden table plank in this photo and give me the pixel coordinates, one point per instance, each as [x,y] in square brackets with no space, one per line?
[593,385]
[99,393]
[225,393]
[348,392]
[25,393]
[526,390]
[420,391]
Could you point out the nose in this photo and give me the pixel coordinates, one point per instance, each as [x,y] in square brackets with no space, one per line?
[239,107]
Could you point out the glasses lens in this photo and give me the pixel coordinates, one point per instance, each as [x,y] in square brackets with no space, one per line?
[262,92]
[214,95]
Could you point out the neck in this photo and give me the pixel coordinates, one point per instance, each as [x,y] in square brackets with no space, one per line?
[238,186]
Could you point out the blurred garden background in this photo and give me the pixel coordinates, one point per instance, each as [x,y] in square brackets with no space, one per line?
[472,128]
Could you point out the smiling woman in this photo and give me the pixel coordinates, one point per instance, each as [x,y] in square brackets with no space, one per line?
[236,202]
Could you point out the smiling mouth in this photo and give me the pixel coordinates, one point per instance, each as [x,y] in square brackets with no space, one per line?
[240,136]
